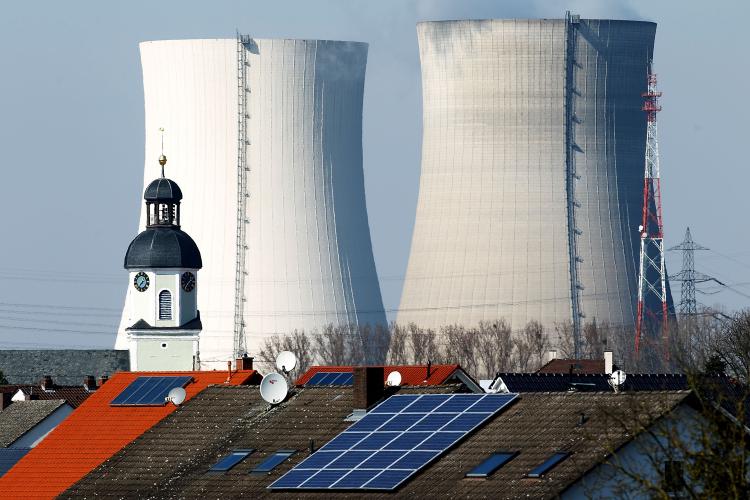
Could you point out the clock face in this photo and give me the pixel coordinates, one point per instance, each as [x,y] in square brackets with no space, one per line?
[141,281]
[188,281]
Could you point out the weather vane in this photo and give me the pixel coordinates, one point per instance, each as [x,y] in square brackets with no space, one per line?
[162,158]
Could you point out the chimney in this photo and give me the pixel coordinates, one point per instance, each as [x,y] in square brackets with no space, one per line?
[368,386]
[89,383]
[429,369]
[549,356]
[607,362]
[103,380]
[244,363]
[6,398]
[46,383]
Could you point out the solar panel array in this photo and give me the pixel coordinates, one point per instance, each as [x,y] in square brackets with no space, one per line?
[393,441]
[331,378]
[149,391]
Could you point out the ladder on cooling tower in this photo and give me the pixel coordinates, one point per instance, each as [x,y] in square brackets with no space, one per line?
[571,23]
[239,345]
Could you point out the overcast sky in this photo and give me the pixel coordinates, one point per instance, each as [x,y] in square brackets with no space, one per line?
[71,137]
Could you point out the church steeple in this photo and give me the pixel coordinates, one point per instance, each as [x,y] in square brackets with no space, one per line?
[163,262]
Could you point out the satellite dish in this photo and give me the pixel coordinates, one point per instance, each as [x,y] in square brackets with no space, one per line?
[273,388]
[394,378]
[286,361]
[176,396]
[617,377]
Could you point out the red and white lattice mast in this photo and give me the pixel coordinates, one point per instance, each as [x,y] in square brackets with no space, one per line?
[652,276]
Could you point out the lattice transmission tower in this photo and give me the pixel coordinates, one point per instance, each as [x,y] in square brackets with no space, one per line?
[688,275]
[652,274]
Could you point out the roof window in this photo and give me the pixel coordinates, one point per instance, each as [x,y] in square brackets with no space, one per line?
[271,462]
[548,464]
[492,463]
[230,460]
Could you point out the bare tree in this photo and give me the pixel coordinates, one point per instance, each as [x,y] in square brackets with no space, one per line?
[460,347]
[298,342]
[332,346]
[423,344]
[397,352]
[494,348]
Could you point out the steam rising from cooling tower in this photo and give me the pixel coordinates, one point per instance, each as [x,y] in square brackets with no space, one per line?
[303,253]
[532,171]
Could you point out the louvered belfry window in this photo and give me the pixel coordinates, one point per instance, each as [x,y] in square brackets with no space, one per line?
[165,305]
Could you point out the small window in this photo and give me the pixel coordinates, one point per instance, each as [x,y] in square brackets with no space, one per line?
[492,463]
[674,476]
[548,464]
[230,460]
[165,305]
[271,462]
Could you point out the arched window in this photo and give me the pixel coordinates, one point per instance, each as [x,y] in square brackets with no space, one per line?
[165,305]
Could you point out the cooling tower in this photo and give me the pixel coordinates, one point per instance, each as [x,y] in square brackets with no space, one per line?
[272,180]
[532,172]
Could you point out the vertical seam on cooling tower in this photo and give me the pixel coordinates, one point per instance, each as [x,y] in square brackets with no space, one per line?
[242,169]
[571,178]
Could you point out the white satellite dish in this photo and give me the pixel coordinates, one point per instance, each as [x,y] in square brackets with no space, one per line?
[177,396]
[273,388]
[286,361]
[617,378]
[394,378]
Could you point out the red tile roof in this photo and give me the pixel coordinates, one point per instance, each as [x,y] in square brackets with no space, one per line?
[592,366]
[94,432]
[410,374]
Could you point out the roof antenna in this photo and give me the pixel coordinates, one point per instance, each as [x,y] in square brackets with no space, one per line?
[162,158]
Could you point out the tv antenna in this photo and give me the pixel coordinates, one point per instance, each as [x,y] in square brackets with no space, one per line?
[286,361]
[394,379]
[273,388]
[176,396]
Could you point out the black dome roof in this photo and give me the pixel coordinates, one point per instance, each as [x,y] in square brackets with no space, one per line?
[163,189]
[163,247]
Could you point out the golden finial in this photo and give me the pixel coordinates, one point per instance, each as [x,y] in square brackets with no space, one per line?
[162,158]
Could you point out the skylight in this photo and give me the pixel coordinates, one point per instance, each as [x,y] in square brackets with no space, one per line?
[271,462]
[492,463]
[230,460]
[548,464]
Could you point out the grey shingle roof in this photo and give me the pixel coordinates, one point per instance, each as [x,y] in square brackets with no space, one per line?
[173,458]
[20,417]
[66,366]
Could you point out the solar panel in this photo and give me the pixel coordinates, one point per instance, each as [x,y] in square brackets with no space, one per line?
[544,467]
[230,460]
[392,442]
[331,378]
[491,464]
[149,391]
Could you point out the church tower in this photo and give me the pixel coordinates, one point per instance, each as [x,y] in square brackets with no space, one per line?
[163,262]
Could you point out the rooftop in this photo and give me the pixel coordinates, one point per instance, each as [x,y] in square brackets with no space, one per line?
[573,365]
[74,395]
[414,375]
[22,416]
[96,431]
[173,459]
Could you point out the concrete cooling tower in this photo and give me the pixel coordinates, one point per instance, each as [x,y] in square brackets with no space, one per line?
[265,139]
[532,172]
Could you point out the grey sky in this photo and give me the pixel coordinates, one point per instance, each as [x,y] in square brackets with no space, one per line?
[71,136]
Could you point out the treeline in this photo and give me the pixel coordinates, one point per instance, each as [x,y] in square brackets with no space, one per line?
[493,346]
